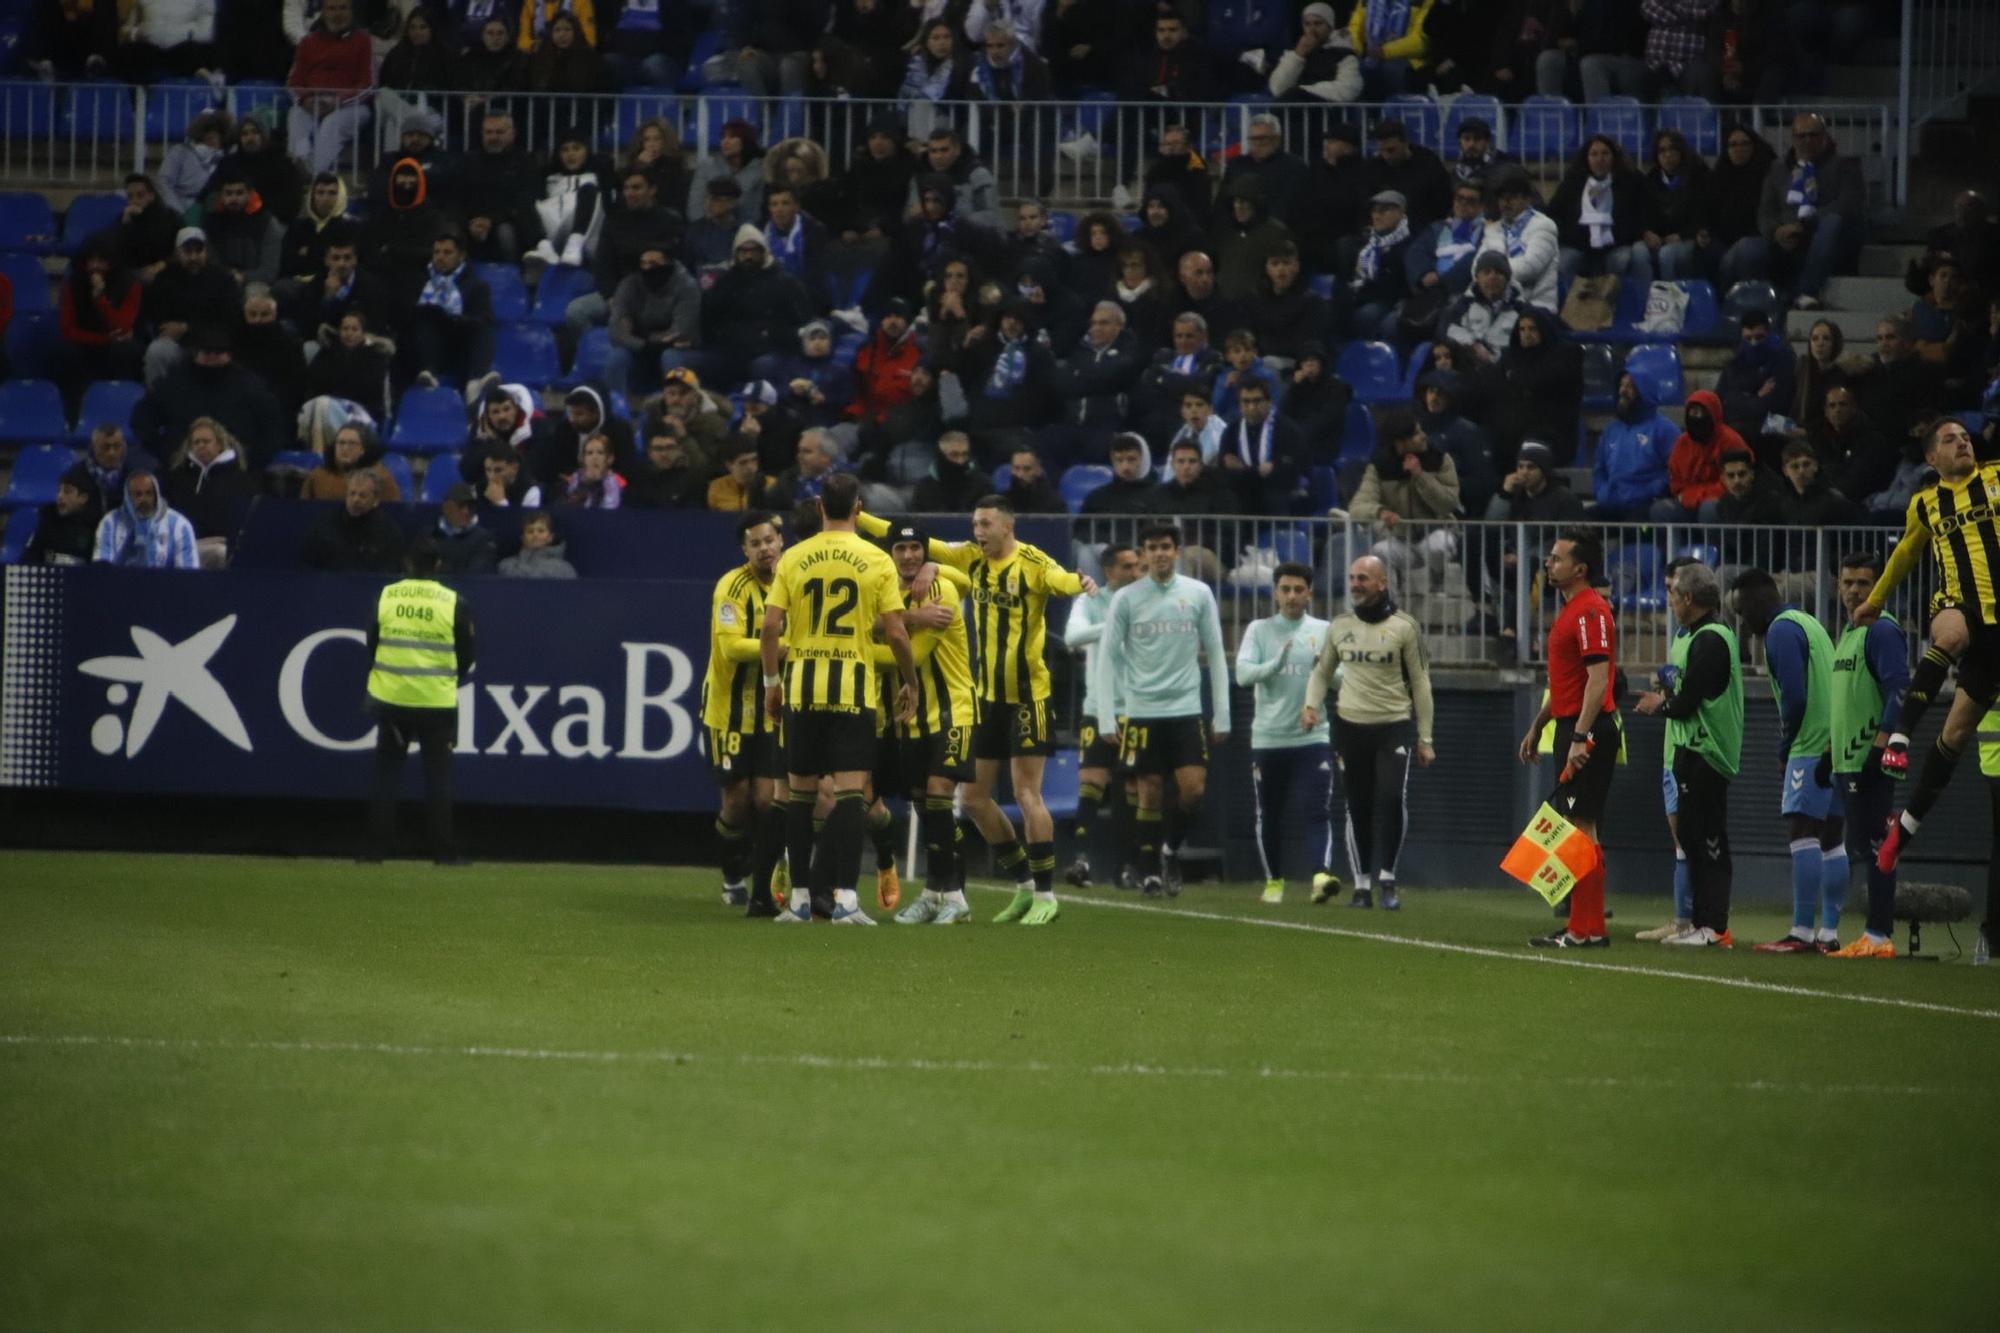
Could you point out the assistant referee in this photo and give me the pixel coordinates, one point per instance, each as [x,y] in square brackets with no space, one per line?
[419,648]
[1382,715]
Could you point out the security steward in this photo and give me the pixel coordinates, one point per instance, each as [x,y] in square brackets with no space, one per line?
[419,648]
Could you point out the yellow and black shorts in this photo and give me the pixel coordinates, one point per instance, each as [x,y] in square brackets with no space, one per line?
[942,754]
[1093,750]
[820,741]
[1006,730]
[736,755]
[1163,744]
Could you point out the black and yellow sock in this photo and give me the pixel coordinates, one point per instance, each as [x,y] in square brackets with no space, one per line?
[770,849]
[736,850]
[882,832]
[820,877]
[799,837]
[1012,860]
[1180,821]
[940,845]
[1089,796]
[841,843]
[1123,827]
[1922,691]
[1938,768]
[1042,865]
[1150,828]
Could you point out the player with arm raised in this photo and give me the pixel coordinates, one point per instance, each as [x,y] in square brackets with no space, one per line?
[1012,582]
[1583,662]
[1959,518]
[1097,759]
[1276,657]
[742,741]
[829,594]
[1382,715]
[1149,684]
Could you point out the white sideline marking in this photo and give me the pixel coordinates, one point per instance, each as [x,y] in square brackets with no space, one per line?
[920,1065]
[1511,956]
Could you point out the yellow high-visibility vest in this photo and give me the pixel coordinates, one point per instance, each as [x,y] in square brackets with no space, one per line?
[416,658]
[1989,743]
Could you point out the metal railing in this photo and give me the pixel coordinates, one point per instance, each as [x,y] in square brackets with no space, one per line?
[1478,588]
[1072,154]
[1951,51]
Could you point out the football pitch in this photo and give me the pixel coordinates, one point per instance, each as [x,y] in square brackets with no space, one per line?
[242,1093]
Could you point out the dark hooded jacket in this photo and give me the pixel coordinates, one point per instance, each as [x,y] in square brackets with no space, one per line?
[1770,360]
[342,543]
[1285,179]
[1734,193]
[1542,393]
[1242,247]
[565,443]
[1466,443]
[360,375]
[1095,382]
[952,488]
[924,246]
[755,310]
[213,499]
[1180,233]
[1286,321]
[1335,207]
[67,539]
[232,395]
[1060,312]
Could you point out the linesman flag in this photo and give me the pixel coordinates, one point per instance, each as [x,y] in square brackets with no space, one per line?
[1552,854]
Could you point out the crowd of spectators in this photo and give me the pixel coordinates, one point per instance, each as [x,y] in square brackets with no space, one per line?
[761,320]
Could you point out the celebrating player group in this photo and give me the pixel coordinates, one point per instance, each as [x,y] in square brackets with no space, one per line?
[868,661]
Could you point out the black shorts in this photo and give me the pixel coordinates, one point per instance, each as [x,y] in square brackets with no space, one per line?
[943,754]
[1590,789]
[1005,730]
[1979,666]
[1163,744]
[819,741]
[734,756]
[1094,750]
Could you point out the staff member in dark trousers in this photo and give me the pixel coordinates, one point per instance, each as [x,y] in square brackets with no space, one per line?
[1704,713]
[1583,664]
[1374,654]
[1871,670]
[419,648]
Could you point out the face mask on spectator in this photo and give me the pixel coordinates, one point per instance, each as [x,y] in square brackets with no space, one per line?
[1698,424]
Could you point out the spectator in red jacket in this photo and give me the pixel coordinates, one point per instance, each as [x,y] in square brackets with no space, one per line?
[882,369]
[1694,469]
[331,77]
[96,312]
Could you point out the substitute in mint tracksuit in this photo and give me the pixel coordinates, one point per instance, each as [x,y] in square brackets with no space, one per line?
[1799,654]
[1291,765]
[1149,686]
[419,648]
[1871,669]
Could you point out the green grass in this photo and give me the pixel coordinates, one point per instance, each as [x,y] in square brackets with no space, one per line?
[514,1097]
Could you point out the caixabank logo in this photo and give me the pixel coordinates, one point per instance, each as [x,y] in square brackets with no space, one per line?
[228,683]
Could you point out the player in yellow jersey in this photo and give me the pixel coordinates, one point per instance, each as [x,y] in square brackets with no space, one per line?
[1011,586]
[829,595]
[935,746]
[1959,519]
[742,741]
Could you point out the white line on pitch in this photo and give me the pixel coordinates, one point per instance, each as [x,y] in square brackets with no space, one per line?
[920,1065]
[1514,956]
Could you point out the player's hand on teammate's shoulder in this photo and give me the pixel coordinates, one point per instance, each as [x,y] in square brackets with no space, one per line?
[1866,614]
[932,615]
[926,578]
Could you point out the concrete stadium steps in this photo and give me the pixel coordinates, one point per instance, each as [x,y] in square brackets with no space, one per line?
[1889,259]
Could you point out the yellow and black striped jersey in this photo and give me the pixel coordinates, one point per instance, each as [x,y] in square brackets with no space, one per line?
[832,587]
[731,696]
[1960,521]
[945,696]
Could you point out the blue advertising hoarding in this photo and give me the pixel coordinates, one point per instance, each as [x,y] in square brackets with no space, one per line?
[586,693]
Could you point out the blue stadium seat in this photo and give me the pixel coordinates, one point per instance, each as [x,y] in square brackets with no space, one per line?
[1079,481]
[1420,117]
[591,351]
[107,401]
[20,528]
[1600,377]
[440,475]
[34,346]
[1545,129]
[1656,369]
[429,421]
[87,215]
[1288,541]
[1003,477]
[1131,222]
[1238,25]
[709,43]
[1636,572]
[101,113]
[1623,121]
[634,111]
[172,105]
[1695,118]
[398,467]
[510,293]
[1321,285]
[31,285]
[1357,435]
[27,110]
[1472,106]
[295,460]
[847,346]
[736,105]
[31,412]
[1706,552]
[1420,361]
[560,284]
[27,224]
[1062,226]
[1704,313]
[1323,490]
[1751,294]
[36,471]
[1372,371]
[526,354]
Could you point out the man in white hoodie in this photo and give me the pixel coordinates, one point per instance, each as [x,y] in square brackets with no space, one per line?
[1322,67]
[1526,236]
